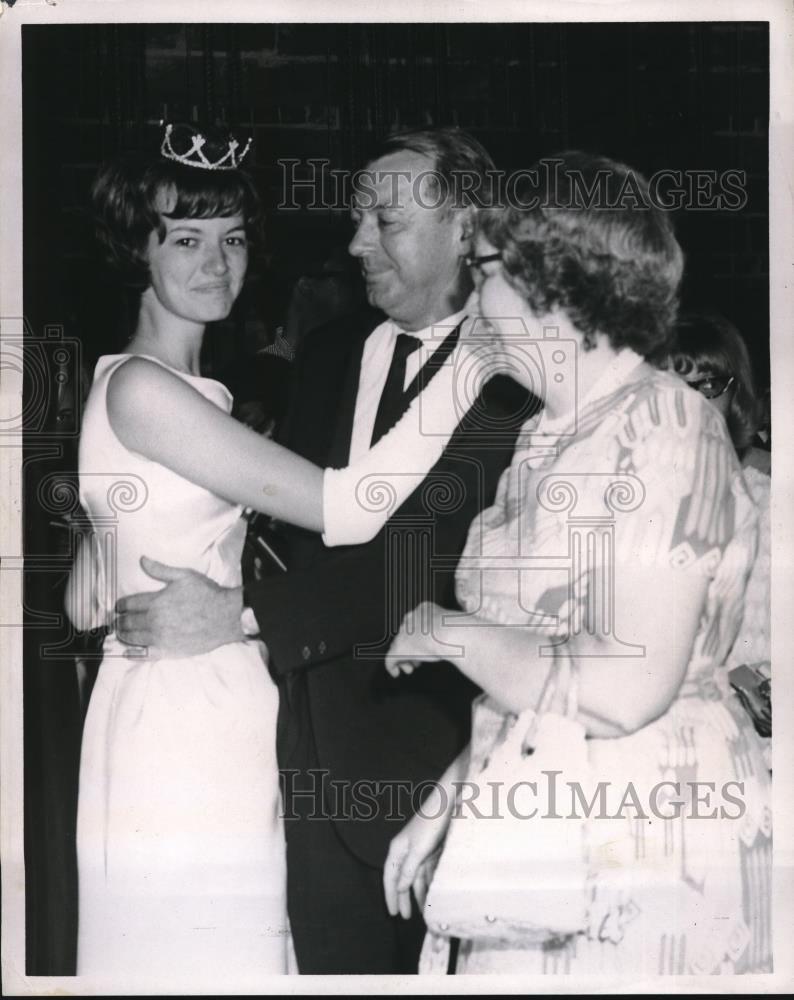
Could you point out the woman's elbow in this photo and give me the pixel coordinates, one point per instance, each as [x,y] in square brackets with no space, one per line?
[631,717]
[357,536]
[354,511]
[351,530]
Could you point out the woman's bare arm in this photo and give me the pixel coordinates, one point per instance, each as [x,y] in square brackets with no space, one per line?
[657,609]
[158,415]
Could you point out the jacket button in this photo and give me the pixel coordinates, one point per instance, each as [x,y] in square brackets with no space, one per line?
[306,652]
[321,648]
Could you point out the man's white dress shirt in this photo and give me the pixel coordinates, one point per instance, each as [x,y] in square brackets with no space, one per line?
[358,499]
[375,364]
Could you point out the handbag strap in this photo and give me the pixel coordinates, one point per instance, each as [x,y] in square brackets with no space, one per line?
[563,672]
[572,688]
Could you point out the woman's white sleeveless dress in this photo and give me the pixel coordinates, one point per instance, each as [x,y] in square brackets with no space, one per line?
[180,841]
[181,856]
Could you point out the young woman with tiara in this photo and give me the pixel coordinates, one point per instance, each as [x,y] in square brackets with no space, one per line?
[180,841]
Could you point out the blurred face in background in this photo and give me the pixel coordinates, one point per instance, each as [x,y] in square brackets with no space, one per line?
[717,389]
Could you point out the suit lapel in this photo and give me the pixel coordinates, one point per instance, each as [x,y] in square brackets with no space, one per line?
[434,364]
[339,454]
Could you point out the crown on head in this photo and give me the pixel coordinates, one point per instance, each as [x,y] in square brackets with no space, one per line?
[186,145]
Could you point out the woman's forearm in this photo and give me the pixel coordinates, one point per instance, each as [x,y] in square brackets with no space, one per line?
[616,695]
[503,660]
[623,683]
[443,796]
[456,772]
[350,505]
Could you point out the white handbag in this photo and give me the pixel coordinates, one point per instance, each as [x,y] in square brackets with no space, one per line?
[514,864]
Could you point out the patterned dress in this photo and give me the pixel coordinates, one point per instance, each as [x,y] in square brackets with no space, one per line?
[753,641]
[644,475]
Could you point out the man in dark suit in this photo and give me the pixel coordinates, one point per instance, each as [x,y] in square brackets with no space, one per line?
[355,745]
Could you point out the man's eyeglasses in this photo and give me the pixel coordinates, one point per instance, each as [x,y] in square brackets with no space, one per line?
[712,386]
[477,262]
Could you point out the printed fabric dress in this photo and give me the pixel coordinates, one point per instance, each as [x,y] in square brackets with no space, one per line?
[181,854]
[753,643]
[648,471]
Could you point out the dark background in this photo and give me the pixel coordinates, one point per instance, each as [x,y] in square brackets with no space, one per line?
[658,96]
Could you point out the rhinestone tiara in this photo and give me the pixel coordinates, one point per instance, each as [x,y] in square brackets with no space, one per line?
[196,147]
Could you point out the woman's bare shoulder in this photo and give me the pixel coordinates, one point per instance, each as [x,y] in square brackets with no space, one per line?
[139,382]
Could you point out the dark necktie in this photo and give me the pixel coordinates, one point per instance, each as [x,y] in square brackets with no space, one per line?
[393,398]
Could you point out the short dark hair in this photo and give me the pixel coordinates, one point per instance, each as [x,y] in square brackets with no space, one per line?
[612,264]
[128,189]
[710,344]
[461,162]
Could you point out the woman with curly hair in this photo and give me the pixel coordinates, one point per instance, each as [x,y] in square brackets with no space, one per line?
[615,554]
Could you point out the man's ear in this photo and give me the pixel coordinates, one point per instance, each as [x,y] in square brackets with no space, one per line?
[467,228]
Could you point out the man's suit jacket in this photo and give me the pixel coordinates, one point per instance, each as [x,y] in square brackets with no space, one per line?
[366,725]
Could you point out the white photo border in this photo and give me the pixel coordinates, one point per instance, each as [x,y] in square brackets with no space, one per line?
[780,14]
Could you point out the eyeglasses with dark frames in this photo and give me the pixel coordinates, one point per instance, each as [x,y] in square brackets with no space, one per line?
[712,386]
[477,262]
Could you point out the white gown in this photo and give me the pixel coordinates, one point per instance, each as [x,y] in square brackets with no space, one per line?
[180,843]
[181,853]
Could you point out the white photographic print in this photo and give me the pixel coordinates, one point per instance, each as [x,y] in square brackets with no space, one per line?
[394,551]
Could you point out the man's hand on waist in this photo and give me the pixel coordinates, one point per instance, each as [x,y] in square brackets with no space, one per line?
[191,614]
